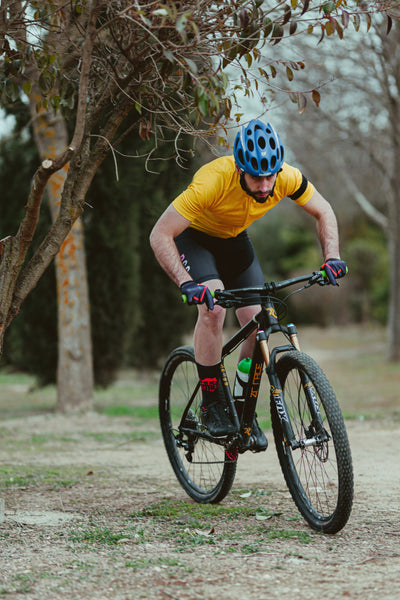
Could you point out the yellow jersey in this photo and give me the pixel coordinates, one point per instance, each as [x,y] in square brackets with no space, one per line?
[216,204]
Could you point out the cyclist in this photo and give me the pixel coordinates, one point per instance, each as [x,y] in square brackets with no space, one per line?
[202,243]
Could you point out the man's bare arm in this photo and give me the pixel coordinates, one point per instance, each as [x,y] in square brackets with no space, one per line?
[168,226]
[327,227]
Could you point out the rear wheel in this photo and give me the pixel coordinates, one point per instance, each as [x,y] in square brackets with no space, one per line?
[203,468]
[319,472]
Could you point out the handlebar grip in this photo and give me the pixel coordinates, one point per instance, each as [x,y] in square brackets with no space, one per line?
[184,297]
[323,272]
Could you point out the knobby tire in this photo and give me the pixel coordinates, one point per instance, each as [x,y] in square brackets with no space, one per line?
[320,478]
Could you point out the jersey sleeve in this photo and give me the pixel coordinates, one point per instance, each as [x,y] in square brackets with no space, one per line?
[298,188]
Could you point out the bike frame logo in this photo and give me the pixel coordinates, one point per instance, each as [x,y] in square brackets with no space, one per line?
[276,393]
[255,384]
[271,312]
[311,393]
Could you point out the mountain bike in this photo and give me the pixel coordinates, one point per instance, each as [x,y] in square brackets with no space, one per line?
[307,423]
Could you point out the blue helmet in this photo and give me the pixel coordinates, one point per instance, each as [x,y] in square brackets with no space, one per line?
[258,149]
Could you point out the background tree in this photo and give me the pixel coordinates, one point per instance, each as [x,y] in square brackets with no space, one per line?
[352,147]
[131,326]
[166,62]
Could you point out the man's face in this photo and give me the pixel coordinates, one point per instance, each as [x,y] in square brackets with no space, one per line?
[260,187]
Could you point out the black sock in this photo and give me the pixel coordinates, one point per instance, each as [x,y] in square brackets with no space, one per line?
[209,382]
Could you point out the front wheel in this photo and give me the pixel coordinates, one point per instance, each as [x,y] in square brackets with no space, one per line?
[203,468]
[319,471]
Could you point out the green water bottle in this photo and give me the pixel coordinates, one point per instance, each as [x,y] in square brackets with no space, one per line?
[241,379]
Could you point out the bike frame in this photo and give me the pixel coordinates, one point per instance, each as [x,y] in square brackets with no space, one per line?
[266,323]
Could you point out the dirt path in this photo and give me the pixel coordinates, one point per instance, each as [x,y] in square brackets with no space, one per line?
[47,552]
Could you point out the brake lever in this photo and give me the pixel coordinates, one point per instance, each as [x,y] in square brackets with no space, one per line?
[317,277]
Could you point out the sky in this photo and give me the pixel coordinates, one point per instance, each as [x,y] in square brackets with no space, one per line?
[6,123]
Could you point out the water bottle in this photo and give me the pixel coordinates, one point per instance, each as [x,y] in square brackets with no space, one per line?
[242,377]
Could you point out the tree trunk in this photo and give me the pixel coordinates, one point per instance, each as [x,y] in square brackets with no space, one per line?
[75,368]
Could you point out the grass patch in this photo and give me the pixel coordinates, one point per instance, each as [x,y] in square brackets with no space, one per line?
[244,527]
[138,412]
[13,477]
[145,563]
[122,438]
[287,534]
[131,387]
[199,515]
[97,535]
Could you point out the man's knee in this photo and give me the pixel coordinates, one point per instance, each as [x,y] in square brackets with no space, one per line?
[212,318]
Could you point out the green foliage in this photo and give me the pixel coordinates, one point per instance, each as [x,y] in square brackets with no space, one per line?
[163,317]
[112,249]
[182,40]
[136,314]
[366,253]
[284,244]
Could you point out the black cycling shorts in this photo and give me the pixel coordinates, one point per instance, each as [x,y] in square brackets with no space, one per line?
[232,260]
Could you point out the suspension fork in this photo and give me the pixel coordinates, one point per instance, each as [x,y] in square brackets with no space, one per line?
[276,393]
[308,387]
[270,324]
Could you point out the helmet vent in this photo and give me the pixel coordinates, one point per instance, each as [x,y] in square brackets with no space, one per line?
[272,143]
[273,162]
[261,142]
[250,145]
[254,163]
[264,165]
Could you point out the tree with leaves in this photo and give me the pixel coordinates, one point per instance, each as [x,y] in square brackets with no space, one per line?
[164,63]
[360,116]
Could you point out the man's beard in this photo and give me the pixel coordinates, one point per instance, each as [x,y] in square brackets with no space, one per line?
[254,194]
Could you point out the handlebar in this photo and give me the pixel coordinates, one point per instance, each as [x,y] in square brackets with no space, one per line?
[228,298]
[255,295]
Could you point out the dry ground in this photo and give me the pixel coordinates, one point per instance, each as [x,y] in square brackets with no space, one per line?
[92,511]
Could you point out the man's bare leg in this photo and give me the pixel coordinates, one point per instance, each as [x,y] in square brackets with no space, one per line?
[208,331]
[208,348]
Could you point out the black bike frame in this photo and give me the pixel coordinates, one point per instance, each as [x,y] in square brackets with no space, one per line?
[266,322]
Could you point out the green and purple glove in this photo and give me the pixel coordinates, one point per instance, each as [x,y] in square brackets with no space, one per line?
[334,269]
[196,293]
